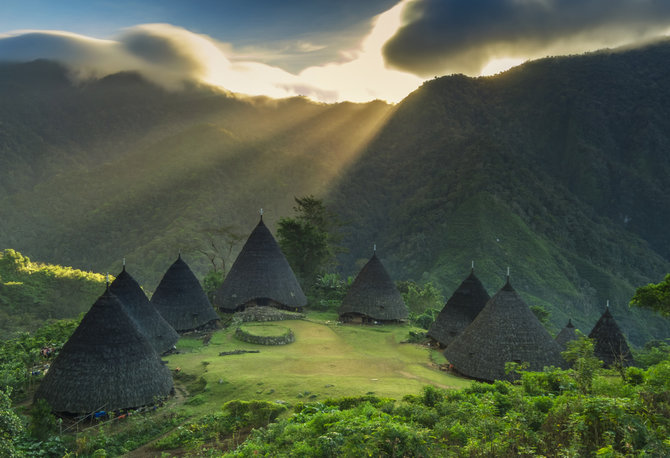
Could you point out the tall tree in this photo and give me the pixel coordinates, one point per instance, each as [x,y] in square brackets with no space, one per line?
[310,239]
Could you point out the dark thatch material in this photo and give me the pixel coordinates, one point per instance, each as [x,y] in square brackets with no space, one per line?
[261,275]
[609,344]
[460,310]
[160,334]
[107,364]
[505,331]
[180,299]
[373,296]
[567,334]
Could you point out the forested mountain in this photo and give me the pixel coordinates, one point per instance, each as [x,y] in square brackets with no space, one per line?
[112,168]
[557,168]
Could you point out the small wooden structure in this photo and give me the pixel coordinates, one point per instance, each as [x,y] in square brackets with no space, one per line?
[180,299]
[373,297]
[506,330]
[260,275]
[460,310]
[107,364]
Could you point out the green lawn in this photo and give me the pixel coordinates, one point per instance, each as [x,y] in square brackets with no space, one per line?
[326,360]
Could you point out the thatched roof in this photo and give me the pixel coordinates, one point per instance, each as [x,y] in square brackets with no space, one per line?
[460,310]
[505,331]
[107,364]
[260,274]
[567,334]
[374,295]
[150,323]
[180,299]
[610,344]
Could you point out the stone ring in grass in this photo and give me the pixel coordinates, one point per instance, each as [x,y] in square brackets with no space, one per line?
[264,334]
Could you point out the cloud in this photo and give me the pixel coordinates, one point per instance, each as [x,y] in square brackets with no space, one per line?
[454,36]
[170,55]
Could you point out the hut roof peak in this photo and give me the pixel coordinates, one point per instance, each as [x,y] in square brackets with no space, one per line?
[373,294]
[260,271]
[180,299]
[506,330]
[150,323]
[508,286]
[106,363]
[460,310]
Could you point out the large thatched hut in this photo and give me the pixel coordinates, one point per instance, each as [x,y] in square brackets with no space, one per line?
[180,299]
[107,364]
[506,330]
[160,334]
[460,310]
[609,343]
[260,275]
[373,297]
[567,334]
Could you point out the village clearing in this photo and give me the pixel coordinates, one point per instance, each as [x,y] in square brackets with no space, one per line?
[327,360]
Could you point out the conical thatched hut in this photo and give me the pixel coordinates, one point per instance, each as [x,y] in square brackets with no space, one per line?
[107,364]
[567,334]
[460,310]
[180,299]
[373,297]
[261,275]
[160,334]
[505,331]
[609,344]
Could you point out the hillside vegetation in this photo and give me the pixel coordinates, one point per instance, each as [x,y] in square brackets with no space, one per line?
[350,391]
[32,293]
[557,168]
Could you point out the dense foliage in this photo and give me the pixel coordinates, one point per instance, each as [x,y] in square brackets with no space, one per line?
[654,296]
[546,414]
[583,411]
[24,357]
[309,240]
[31,292]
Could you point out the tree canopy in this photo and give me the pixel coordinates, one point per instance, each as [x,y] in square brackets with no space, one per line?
[654,296]
[310,239]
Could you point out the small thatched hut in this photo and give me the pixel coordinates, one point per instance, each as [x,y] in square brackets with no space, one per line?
[260,275]
[373,297]
[460,310]
[505,331]
[107,364]
[160,334]
[180,299]
[610,344]
[567,334]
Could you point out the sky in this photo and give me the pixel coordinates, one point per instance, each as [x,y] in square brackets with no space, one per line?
[356,50]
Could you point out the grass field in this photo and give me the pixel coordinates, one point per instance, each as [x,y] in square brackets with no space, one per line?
[326,360]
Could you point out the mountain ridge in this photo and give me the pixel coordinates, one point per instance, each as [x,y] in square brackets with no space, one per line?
[556,168]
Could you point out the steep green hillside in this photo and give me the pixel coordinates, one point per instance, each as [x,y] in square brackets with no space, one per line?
[558,169]
[120,168]
[31,292]
[545,169]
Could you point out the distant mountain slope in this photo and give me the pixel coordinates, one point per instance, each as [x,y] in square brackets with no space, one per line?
[559,168]
[31,292]
[118,167]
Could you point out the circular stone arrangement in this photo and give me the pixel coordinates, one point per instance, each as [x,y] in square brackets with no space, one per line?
[262,313]
[265,334]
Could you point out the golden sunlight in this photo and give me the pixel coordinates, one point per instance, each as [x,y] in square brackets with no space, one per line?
[365,77]
[500,65]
